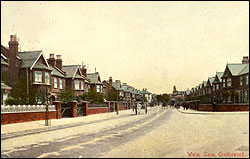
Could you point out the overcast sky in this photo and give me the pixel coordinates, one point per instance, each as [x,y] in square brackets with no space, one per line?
[153,45]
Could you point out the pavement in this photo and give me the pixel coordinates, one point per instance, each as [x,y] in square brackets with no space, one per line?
[160,133]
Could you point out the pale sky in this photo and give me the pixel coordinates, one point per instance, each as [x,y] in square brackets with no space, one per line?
[153,45]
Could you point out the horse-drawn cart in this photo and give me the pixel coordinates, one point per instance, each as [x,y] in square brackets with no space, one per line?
[139,106]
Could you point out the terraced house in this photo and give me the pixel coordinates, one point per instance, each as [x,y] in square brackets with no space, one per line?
[231,82]
[95,82]
[75,78]
[217,87]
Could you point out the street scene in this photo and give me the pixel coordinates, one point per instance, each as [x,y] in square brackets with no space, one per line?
[160,133]
[124,79]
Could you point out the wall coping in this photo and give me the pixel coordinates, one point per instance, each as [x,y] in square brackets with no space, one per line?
[5,109]
[97,107]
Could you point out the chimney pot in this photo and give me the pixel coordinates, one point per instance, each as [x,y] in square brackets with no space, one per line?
[51,56]
[58,57]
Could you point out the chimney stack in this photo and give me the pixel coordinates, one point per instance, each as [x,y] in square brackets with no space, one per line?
[245,60]
[52,60]
[110,81]
[13,61]
[59,62]
[84,71]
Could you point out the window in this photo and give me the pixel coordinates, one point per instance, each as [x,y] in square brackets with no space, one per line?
[4,97]
[60,84]
[247,79]
[241,80]
[98,88]
[82,86]
[223,81]
[76,84]
[229,82]
[38,77]
[217,86]
[55,82]
[47,78]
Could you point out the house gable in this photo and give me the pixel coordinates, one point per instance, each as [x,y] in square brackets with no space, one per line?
[227,73]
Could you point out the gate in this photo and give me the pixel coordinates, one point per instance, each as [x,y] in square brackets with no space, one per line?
[79,110]
[65,111]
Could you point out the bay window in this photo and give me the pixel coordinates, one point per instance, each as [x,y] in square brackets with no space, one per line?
[55,82]
[241,80]
[247,79]
[38,76]
[47,77]
[60,84]
[82,85]
[229,82]
[76,84]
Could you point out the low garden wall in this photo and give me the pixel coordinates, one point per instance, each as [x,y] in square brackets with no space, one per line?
[23,113]
[219,107]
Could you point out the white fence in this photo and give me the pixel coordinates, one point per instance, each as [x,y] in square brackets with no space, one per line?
[26,108]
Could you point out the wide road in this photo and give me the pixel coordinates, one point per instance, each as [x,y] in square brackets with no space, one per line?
[159,133]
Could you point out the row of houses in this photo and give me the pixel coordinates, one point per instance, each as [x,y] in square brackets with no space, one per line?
[229,86]
[50,74]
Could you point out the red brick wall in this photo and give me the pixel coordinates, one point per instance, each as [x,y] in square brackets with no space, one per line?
[97,111]
[9,118]
[223,107]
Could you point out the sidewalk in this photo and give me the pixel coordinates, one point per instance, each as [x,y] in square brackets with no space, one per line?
[39,125]
[190,111]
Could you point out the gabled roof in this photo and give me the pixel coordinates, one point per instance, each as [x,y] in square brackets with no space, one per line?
[219,75]
[94,78]
[211,79]
[125,88]
[117,86]
[204,83]
[4,60]
[30,58]
[71,71]
[56,72]
[245,70]
[235,68]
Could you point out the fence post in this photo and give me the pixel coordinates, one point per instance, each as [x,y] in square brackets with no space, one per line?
[108,105]
[85,108]
[58,109]
[73,107]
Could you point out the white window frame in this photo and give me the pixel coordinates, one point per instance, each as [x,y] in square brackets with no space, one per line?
[60,84]
[241,80]
[229,82]
[82,85]
[77,84]
[98,88]
[38,77]
[55,82]
[247,79]
[47,81]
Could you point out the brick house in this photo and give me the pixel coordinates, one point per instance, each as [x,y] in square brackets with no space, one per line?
[109,84]
[30,65]
[75,79]
[127,96]
[231,81]
[58,77]
[217,87]
[5,89]
[95,82]
[243,87]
